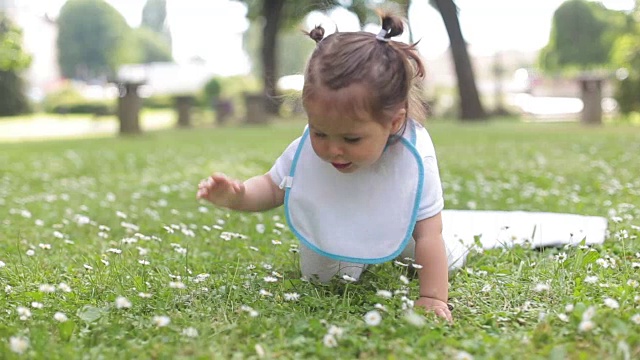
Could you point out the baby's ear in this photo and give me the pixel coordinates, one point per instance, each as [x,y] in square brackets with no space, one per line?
[397,122]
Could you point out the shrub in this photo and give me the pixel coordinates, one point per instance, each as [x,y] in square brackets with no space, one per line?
[68,100]
[158,102]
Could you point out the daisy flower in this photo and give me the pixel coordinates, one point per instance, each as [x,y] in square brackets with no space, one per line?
[18,344]
[46,288]
[612,303]
[372,318]
[348,278]
[329,341]
[161,321]
[190,332]
[291,296]
[122,303]
[60,317]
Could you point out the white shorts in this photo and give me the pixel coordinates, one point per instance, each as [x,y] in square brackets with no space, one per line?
[316,267]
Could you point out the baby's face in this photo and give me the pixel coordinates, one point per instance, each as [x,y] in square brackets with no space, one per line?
[347,144]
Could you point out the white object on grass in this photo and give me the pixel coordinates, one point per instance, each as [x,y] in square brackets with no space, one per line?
[507,228]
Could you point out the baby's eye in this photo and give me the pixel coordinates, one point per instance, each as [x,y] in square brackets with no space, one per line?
[352,140]
[320,135]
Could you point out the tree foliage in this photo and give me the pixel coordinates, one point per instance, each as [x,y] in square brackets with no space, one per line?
[151,47]
[294,49]
[582,36]
[625,56]
[13,59]
[154,18]
[93,39]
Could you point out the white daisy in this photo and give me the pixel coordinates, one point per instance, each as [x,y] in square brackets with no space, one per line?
[612,303]
[380,307]
[591,279]
[46,288]
[384,293]
[64,287]
[122,303]
[161,321]
[586,325]
[335,331]
[540,287]
[23,312]
[404,279]
[348,278]
[190,332]
[176,285]
[329,341]
[60,317]
[18,344]
[291,296]
[37,305]
[372,318]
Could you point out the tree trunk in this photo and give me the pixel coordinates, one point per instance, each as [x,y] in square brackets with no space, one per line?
[470,106]
[272,12]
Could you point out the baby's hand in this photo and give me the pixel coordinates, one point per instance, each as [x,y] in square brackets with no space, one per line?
[439,307]
[221,190]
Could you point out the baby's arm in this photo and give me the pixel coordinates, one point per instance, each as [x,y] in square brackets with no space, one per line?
[259,193]
[434,274]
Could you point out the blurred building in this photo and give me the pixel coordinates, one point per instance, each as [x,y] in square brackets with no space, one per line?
[39,34]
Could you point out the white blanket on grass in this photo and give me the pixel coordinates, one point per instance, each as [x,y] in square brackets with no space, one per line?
[507,228]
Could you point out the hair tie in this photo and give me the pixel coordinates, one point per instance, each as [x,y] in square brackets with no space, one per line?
[381,35]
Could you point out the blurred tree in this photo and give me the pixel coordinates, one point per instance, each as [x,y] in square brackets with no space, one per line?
[277,15]
[93,39]
[292,53]
[625,56]
[151,47]
[282,14]
[13,60]
[154,17]
[582,36]
[470,105]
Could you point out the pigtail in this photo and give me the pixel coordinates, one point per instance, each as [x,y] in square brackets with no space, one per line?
[393,25]
[317,34]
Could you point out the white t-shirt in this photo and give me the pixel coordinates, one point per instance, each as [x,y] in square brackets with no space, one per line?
[432,201]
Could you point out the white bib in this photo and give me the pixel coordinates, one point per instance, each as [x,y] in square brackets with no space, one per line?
[367,216]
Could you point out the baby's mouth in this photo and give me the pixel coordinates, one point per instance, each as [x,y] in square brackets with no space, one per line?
[341,166]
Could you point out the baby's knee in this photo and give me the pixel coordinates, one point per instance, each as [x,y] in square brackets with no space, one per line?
[351,272]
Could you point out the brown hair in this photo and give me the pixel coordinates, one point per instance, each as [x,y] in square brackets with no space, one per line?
[386,70]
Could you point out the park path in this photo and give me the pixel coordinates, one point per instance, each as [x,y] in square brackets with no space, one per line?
[58,127]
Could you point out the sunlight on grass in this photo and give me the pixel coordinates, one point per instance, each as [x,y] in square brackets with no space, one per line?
[104,251]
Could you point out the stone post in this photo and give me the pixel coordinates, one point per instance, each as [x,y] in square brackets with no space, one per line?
[183,108]
[256,108]
[591,92]
[129,104]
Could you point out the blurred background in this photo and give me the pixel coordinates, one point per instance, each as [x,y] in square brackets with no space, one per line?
[132,65]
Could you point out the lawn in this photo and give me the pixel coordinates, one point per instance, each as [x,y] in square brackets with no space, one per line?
[105,253]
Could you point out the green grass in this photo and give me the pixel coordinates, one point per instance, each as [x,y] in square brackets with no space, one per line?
[84,197]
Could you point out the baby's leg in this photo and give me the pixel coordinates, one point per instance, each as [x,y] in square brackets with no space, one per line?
[316,267]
